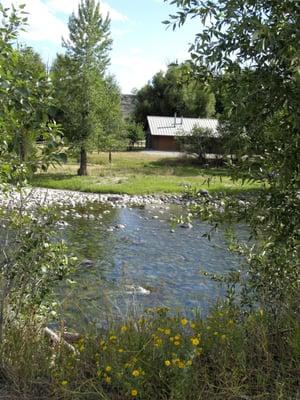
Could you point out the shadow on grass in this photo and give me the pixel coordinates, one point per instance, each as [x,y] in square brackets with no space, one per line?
[187,167]
[57,177]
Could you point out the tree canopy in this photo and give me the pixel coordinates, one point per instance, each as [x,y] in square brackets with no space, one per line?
[84,94]
[175,91]
[25,103]
[255,45]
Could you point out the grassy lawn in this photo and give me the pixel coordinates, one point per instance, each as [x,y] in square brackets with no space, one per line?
[138,173]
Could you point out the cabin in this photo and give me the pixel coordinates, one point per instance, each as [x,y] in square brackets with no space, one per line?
[163,131]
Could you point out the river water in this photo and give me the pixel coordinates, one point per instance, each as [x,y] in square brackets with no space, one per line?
[133,258]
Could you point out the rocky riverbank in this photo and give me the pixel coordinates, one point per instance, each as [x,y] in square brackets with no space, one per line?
[34,197]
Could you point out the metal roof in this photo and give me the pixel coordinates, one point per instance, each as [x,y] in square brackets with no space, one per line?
[171,126]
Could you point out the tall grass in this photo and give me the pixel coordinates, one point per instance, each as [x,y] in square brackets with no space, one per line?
[159,356]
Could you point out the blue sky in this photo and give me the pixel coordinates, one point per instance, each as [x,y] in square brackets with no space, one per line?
[142,45]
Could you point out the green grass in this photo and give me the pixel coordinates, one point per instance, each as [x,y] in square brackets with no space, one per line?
[139,173]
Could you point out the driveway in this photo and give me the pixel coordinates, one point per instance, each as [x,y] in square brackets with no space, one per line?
[170,154]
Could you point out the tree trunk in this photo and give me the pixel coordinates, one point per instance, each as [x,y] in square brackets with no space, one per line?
[109,157]
[22,149]
[83,162]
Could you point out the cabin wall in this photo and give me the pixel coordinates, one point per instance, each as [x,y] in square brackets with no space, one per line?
[164,143]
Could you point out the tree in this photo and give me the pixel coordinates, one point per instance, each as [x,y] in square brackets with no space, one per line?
[256,45]
[134,132]
[30,262]
[25,100]
[175,91]
[199,142]
[80,76]
[30,70]
[112,135]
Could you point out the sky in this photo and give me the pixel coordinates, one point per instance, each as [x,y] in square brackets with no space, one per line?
[142,45]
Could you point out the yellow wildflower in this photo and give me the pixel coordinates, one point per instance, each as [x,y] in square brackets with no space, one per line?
[167,331]
[177,337]
[167,363]
[121,350]
[108,379]
[180,364]
[195,341]
[176,343]
[223,338]
[261,312]
[124,328]
[134,392]
[189,362]
[108,368]
[184,321]
[64,383]
[112,338]
[193,325]
[136,373]
[171,339]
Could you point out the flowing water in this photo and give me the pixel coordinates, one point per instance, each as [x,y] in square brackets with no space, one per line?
[132,259]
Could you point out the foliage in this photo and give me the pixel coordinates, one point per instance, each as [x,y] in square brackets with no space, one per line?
[254,45]
[88,103]
[31,78]
[135,132]
[24,104]
[112,137]
[89,42]
[162,356]
[200,141]
[30,263]
[175,91]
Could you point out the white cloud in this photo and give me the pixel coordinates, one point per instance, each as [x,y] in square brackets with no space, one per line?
[68,6]
[44,25]
[134,70]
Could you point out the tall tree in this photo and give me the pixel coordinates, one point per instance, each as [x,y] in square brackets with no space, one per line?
[24,104]
[31,71]
[112,135]
[83,68]
[175,91]
[255,43]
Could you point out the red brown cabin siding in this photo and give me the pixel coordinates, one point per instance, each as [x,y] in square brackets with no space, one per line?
[164,143]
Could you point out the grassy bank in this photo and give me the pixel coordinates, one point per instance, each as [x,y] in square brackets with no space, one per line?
[139,173]
[228,356]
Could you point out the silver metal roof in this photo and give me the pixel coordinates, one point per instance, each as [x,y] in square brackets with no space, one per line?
[171,126]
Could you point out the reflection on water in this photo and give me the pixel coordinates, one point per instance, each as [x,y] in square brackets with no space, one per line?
[131,260]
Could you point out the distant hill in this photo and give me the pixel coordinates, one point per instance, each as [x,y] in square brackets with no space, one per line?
[127,104]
